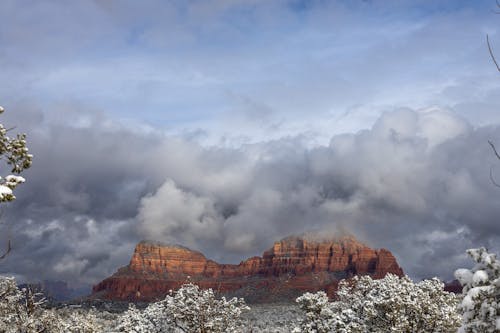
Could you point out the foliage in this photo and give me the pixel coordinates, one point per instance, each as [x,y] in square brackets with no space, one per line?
[74,321]
[481,290]
[150,319]
[15,153]
[272,318]
[21,311]
[190,309]
[391,304]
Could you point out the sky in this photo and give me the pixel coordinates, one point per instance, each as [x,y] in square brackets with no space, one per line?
[227,125]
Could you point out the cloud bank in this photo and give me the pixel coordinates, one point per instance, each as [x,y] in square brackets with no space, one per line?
[416,182]
[254,97]
[252,68]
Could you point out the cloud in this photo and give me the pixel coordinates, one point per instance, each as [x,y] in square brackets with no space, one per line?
[174,214]
[417,181]
[254,69]
[226,125]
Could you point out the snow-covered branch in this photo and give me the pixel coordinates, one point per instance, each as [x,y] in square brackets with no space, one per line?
[190,310]
[480,306]
[391,304]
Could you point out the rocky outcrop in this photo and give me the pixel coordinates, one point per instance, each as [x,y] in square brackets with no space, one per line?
[291,267]
[453,286]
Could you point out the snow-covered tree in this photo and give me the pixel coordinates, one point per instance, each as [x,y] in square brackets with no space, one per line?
[391,304]
[150,320]
[190,309]
[77,321]
[15,153]
[22,311]
[197,310]
[321,316]
[481,293]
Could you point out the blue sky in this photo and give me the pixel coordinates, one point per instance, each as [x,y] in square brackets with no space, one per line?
[216,65]
[225,125]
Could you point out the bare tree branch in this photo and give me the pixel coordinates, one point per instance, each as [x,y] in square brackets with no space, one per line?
[9,248]
[498,6]
[491,168]
[493,179]
[494,149]
[491,53]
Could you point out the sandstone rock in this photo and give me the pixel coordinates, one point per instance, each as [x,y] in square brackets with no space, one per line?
[291,267]
[453,286]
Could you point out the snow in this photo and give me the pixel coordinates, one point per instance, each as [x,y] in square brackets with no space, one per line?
[391,304]
[481,288]
[5,193]
[190,309]
[4,190]
[15,153]
[15,179]
[463,275]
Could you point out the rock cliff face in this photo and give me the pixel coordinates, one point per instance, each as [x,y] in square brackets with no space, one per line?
[291,267]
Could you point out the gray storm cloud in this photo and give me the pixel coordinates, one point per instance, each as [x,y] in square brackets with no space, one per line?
[417,182]
[280,73]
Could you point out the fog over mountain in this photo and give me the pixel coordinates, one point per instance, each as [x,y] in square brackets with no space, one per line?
[226,125]
[417,183]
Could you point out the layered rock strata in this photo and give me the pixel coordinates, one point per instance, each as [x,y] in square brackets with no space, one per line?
[291,267]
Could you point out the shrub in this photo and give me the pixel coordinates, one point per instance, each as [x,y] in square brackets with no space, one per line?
[190,309]
[21,311]
[480,306]
[391,304]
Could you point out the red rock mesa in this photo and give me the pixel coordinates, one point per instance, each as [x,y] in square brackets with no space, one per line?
[291,267]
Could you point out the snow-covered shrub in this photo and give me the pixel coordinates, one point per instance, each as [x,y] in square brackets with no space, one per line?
[190,309]
[78,321]
[321,316]
[21,311]
[150,320]
[271,318]
[480,306]
[198,310]
[391,304]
